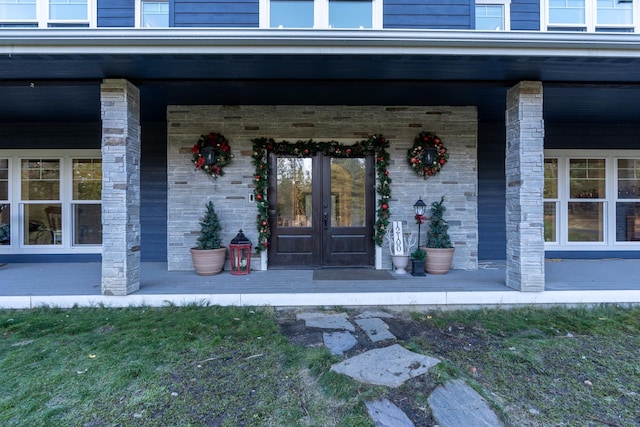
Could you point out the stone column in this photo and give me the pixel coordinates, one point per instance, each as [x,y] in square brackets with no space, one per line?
[120,102]
[525,185]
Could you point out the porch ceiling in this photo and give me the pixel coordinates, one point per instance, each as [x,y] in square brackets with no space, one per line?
[58,79]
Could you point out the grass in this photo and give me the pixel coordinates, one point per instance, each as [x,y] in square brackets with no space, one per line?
[200,365]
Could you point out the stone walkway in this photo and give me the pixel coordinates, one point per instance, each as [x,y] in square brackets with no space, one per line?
[453,404]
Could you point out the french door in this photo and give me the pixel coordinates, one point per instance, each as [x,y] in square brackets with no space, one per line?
[321,211]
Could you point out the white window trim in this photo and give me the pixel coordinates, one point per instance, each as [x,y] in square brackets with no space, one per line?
[138,13]
[506,7]
[66,195]
[609,243]
[321,14]
[590,17]
[42,16]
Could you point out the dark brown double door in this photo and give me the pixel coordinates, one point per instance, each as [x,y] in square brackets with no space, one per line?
[322,211]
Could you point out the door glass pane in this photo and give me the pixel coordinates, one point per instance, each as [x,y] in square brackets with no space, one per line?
[293,188]
[87,179]
[87,224]
[40,179]
[68,10]
[586,221]
[566,12]
[42,224]
[614,12]
[551,178]
[17,10]
[489,17]
[587,179]
[348,192]
[350,14]
[550,217]
[291,14]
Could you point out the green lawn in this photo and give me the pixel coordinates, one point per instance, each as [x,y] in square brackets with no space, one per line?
[216,366]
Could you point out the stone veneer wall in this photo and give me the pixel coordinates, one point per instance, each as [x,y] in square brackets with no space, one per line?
[189,190]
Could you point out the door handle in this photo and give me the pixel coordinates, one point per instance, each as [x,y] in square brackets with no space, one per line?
[325,219]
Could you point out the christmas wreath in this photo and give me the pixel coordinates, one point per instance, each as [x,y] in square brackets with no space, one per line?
[428,154]
[212,153]
[376,144]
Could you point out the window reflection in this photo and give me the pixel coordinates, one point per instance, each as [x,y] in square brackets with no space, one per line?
[294,178]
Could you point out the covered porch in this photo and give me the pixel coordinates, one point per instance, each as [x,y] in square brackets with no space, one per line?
[28,285]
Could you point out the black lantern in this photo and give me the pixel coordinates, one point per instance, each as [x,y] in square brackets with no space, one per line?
[209,155]
[429,156]
[240,254]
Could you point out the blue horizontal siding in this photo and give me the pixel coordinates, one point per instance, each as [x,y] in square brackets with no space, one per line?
[116,13]
[212,13]
[429,14]
[525,15]
[153,193]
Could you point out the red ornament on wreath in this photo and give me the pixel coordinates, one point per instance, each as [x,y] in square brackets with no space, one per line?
[427,155]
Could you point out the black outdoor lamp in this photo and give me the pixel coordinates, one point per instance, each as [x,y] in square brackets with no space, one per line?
[429,156]
[420,208]
[209,155]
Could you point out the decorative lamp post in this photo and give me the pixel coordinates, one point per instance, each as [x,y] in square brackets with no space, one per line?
[429,156]
[420,208]
[240,254]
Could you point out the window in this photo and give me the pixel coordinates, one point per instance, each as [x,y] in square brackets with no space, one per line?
[590,15]
[339,14]
[493,15]
[46,13]
[592,202]
[50,202]
[153,14]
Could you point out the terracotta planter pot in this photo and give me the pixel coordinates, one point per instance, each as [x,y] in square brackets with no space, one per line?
[208,262]
[438,261]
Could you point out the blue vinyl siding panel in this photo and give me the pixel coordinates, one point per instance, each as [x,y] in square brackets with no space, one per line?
[429,14]
[492,235]
[525,15]
[153,193]
[214,13]
[116,13]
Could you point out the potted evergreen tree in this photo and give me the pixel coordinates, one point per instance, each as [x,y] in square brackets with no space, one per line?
[208,257]
[439,248]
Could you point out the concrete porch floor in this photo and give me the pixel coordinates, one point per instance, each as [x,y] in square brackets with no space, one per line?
[25,285]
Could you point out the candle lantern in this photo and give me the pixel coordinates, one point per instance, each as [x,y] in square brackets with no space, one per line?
[240,254]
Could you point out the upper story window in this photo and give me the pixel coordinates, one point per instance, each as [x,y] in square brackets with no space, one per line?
[590,15]
[46,13]
[358,14]
[153,14]
[493,15]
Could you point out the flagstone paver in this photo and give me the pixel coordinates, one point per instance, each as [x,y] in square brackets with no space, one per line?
[390,366]
[376,329]
[374,313]
[455,404]
[339,342]
[385,414]
[327,321]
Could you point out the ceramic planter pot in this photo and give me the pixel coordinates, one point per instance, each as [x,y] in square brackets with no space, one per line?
[400,262]
[208,262]
[438,261]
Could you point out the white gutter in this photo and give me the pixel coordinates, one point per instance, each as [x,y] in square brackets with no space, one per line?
[192,41]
